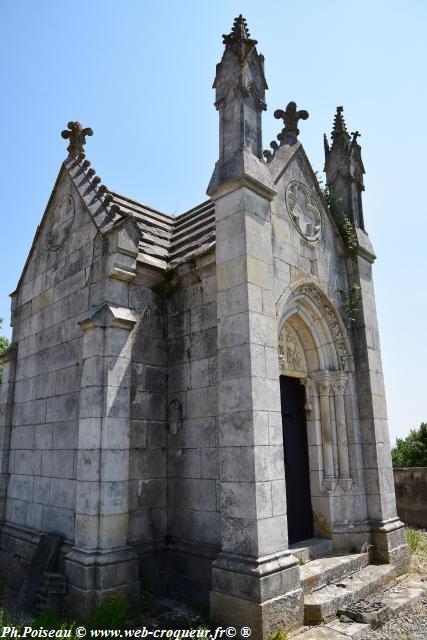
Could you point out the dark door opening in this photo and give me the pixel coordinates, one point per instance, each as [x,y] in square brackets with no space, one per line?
[298,496]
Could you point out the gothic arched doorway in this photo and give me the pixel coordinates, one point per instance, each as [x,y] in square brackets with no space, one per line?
[314,359]
[298,495]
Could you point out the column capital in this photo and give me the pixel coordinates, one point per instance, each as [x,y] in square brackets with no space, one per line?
[339,384]
[330,380]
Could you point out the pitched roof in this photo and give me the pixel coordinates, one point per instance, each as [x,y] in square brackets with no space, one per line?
[164,239]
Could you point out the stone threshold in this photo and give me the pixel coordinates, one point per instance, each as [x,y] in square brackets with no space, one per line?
[323,571]
[307,550]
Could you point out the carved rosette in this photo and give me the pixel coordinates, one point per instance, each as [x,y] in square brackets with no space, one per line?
[60,227]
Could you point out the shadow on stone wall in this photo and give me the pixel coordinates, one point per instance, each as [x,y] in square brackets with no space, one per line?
[411,495]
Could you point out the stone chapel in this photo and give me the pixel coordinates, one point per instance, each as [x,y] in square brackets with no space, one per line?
[200,399]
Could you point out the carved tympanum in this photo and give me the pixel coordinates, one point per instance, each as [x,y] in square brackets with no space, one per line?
[291,355]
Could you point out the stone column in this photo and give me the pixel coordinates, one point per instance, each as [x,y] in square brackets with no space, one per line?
[323,386]
[101,560]
[255,580]
[7,391]
[338,386]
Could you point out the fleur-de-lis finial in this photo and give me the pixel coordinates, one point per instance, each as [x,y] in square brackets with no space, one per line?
[77,136]
[290,118]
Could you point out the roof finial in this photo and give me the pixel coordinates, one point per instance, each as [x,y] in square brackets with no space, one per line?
[340,137]
[290,118]
[239,39]
[239,31]
[77,136]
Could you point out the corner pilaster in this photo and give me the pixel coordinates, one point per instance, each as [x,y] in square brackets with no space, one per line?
[7,392]
[255,580]
[387,530]
[101,561]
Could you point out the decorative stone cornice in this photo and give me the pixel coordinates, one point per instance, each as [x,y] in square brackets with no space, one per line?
[108,315]
[243,169]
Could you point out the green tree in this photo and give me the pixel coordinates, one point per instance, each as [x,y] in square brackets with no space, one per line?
[4,343]
[412,450]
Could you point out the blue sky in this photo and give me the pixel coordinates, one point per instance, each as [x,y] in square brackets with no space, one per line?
[140,74]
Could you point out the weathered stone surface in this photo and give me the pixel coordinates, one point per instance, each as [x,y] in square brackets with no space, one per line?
[410,486]
[141,398]
[325,602]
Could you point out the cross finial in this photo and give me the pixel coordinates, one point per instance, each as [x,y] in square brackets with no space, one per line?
[77,136]
[290,118]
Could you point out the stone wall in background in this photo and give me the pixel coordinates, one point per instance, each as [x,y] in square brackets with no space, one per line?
[411,495]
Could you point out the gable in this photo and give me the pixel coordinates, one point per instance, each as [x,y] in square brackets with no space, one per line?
[300,200]
[307,245]
[65,218]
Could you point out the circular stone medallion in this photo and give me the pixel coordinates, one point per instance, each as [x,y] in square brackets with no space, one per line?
[303,210]
[61,225]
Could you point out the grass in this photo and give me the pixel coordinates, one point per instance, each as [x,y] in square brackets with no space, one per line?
[279,635]
[416,540]
[7,619]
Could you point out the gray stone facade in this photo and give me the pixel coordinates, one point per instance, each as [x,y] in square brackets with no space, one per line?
[141,412]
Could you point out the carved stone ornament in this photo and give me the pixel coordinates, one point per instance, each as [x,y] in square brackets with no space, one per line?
[330,316]
[76,134]
[291,355]
[60,227]
[175,416]
[303,210]
[290,118]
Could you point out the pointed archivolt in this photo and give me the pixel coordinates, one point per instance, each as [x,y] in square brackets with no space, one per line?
[324,309]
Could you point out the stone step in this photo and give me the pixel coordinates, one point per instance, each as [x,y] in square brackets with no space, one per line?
[307,550]
[396,599]
[354,631]
[321,572]
[324,603]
